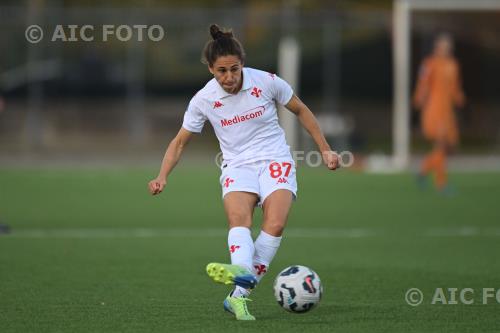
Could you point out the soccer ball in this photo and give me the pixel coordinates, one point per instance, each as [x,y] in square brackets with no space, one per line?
[298,289]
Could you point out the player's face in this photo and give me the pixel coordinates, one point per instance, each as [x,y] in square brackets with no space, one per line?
[443,47]
[227,71]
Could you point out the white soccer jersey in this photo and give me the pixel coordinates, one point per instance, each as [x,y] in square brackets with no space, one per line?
[245,123]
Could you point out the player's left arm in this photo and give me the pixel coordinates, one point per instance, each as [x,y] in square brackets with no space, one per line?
[310,123]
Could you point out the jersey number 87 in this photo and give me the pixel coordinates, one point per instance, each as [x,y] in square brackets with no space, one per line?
[276,169]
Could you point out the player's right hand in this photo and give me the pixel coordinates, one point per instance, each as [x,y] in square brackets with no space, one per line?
[156,186]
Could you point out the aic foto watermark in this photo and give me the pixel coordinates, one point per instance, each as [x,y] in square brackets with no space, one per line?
[453,296]
[89,33]
[312,159]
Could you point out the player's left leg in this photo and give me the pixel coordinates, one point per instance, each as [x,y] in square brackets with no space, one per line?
[275,214]
[444,145]
[278,186]
[447,145]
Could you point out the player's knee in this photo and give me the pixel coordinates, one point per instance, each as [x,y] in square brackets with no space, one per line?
[238,219]
[274,226]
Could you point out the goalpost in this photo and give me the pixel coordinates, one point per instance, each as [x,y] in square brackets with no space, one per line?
[402,63]
[288,69]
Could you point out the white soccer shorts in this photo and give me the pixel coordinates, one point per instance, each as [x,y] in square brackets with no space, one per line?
[262,178]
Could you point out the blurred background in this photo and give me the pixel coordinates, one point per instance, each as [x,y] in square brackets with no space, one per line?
[84,125]
[81,101]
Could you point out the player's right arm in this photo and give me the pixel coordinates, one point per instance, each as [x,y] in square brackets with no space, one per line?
[423,85]
[172,156]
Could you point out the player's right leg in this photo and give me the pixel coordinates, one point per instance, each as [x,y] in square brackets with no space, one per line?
[232,274]
[240,188]
[239,207]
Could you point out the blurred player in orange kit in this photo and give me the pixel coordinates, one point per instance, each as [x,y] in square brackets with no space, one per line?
[437,92]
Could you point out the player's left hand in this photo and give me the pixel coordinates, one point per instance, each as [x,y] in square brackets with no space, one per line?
[156,185]
[331,160]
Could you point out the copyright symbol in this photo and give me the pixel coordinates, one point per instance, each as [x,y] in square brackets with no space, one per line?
[218,159]
[33,34]
[414,297]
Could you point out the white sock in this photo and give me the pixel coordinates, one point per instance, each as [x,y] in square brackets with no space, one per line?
[241,247]
[266,246]
[240,291]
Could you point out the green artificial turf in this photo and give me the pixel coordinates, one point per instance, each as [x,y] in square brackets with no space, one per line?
[91,251]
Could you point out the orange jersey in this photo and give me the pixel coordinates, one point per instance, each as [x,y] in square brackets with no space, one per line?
[438,91]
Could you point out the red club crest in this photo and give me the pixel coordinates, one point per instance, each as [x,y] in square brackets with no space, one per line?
[256,92]
[228,182]
[261,269]
[233,248]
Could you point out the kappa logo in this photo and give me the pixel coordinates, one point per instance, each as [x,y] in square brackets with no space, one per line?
[261,269]
[218,104]
[272,75]
[228,182]
[233,248]
[256,92]
[282,180]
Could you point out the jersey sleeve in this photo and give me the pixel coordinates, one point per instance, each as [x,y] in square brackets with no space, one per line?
[194,118]
[282,91]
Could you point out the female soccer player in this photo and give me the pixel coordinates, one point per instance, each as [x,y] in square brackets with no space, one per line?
[257,168]
[438,91]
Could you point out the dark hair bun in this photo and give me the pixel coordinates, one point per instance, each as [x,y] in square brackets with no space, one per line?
[216,33]
[221,43]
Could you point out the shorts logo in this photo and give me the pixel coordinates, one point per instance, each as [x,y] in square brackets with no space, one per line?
[282,180]
[233,248]
[218,104]
[261,269]
[228,182]
[256,92]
